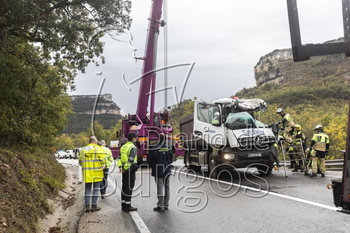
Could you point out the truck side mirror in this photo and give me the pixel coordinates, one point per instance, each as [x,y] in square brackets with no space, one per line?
[117,134]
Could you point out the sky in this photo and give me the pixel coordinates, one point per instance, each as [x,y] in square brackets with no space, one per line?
[224,39]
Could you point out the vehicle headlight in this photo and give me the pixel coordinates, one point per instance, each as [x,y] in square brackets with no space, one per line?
[229,156]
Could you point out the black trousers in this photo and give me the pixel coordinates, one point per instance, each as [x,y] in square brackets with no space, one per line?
[104,182]
[128,183]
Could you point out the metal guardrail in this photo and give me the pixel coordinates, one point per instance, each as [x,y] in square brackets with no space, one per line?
[331,165]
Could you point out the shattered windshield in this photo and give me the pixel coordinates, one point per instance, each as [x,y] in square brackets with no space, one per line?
[242,120]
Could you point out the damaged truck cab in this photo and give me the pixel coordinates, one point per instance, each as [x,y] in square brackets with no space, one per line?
[224,135]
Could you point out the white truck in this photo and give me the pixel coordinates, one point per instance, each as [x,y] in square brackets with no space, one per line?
[224,134]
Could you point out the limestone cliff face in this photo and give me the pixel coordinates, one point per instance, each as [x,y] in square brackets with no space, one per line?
[278,65]
[107,113]
[84,104]
[269,69]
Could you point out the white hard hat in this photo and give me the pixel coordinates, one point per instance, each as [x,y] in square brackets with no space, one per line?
[279,110]
[319,127]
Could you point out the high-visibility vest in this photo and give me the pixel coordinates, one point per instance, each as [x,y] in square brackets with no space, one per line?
[299,140]
[125,161]
[321,139]
[93,160]
[108,154]
[289,122]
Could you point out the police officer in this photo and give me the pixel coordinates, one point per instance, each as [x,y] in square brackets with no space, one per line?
[160,162]
[92,160]
[109,160]
[319,149]
[128,166]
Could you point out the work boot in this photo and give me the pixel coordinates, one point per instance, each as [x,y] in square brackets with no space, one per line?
[95,208]
[313,175]
[87,208]
[102,196]
[129,208]
[323,175]
[158,209]
[166,207]
[295,168]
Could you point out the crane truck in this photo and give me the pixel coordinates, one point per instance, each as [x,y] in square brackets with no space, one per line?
[223,135]
[147,126]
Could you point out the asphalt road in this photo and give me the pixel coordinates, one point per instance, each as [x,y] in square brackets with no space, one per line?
[239,202]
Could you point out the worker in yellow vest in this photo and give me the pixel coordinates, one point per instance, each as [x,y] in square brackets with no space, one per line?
[109,161]
[128,166]
[93,161]
[319,149]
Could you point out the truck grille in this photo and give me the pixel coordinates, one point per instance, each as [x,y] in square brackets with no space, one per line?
[256,141]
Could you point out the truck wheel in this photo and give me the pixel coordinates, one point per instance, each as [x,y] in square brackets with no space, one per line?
[213,172]
[194,167]
[265,171]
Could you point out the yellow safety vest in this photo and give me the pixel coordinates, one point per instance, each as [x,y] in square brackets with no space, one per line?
[93,160]
[321,139]
[124,162]
[297,141]
[108,154]
[289,122]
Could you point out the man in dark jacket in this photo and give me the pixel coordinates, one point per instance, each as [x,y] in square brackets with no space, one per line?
[160,161]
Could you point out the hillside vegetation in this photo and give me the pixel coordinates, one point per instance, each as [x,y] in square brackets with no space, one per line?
[313,92]
[27,181]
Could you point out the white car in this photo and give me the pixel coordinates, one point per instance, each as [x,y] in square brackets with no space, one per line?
[60,154]
[70,154]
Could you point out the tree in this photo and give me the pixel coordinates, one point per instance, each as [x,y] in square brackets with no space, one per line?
[42,45]
[68,31]
[33,101]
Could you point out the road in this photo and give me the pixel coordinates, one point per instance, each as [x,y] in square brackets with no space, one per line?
[240,202]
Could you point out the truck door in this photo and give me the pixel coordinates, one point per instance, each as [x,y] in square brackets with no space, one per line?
[208,123]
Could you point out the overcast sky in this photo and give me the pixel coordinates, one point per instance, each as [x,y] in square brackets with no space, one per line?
[224,38]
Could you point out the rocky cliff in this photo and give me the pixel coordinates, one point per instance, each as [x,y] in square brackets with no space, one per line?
[106,112]
[275,67]
[268,69]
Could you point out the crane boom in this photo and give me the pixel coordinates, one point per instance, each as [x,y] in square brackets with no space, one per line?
[148,79]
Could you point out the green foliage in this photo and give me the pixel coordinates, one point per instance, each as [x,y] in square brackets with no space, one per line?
[71,141]
[81,122]
[183,109]
[27,180]
[34,104]
[313,92]
[69,31]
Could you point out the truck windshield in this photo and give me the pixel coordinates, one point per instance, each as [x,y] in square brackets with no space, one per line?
[242,120]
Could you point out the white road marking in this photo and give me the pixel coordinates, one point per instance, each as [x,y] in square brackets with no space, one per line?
[266,192]
[140,224]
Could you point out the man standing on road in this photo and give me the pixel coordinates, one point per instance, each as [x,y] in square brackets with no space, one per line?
[319,149]
[92,160]
[128,166]
[109,160]
[160,162]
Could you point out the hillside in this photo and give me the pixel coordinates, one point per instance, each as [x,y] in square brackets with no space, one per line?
[107,112]
[314,92]
[28,179]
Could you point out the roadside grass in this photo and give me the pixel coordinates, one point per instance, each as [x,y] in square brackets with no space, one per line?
[27,179]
